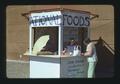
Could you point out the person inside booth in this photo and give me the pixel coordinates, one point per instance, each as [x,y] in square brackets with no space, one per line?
[72,49]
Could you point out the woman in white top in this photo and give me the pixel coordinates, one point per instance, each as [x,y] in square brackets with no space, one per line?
[92,56]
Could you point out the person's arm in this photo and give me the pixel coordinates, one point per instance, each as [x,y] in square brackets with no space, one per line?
[64,51]
[89,51]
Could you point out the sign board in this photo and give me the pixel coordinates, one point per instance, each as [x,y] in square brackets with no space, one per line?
[73,67]
[45,19]
[73,19]
[56,18]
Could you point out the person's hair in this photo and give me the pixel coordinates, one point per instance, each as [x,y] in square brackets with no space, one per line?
[72,40]
[87,40]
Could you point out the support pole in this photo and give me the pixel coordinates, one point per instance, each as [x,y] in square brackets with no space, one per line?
[30,40]
[59,42]
[88,32]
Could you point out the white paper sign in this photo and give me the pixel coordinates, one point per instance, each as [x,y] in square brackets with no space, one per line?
[45,19]
[56,18]
[74,19]
[73,67]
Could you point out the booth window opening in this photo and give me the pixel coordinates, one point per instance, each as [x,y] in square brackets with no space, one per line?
[51,46]
[78,34]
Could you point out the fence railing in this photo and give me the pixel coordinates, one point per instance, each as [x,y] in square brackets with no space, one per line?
[105,44]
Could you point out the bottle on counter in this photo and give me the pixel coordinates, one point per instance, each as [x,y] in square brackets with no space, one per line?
[76,51]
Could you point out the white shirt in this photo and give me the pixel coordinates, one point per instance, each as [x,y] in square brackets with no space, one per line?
[93,58]
[73,50]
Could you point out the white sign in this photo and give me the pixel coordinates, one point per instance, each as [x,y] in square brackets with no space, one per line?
[74,67]
[45,19]
[56,18]
[76,19]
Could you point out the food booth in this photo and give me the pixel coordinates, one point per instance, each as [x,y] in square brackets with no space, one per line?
[49,32]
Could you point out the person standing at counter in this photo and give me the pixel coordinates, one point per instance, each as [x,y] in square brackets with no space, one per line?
[73,49]
[92,57]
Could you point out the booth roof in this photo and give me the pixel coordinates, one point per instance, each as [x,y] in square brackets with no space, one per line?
[56,9]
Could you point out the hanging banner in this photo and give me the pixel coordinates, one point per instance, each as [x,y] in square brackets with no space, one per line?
[56,18]
[45,19]
[73,19]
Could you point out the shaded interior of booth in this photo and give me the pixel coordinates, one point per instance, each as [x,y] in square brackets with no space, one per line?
[51,48]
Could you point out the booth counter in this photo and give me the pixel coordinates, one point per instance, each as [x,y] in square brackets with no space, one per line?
[58,67]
